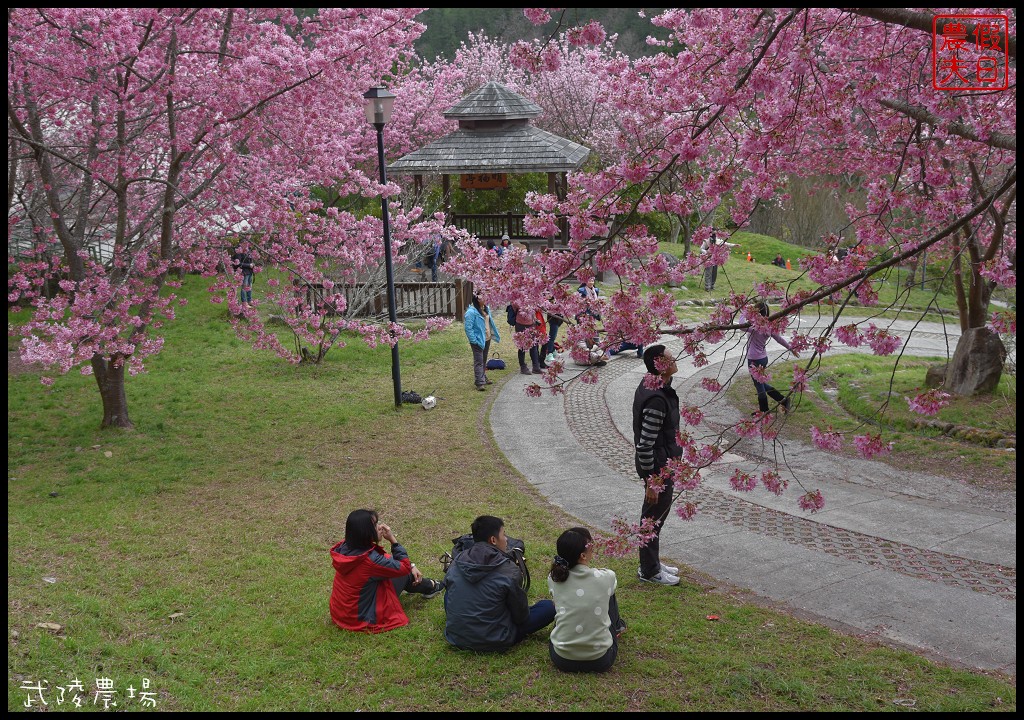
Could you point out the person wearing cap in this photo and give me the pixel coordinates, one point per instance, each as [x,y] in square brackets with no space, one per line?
[505,243]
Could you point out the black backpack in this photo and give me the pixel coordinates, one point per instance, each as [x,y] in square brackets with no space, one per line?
[516,552]
[510,315]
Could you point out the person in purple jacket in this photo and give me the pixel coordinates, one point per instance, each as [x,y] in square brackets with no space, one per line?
[757,357]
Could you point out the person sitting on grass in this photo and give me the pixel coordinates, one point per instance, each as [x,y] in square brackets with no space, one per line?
[367,580]
[484,601]
[587,622]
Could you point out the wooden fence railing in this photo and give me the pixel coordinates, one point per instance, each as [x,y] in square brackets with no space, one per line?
[493,226]
[412,299]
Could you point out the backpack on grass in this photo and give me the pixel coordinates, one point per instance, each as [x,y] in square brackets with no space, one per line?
[516,552]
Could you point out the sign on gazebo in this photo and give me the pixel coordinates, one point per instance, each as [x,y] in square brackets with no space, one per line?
[483,181]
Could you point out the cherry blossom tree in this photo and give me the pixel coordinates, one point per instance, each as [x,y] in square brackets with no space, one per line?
[738,101]
[147,142]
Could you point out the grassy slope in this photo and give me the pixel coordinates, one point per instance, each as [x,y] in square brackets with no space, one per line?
[223,502]
[738,275]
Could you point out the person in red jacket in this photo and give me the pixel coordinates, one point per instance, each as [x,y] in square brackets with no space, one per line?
[367,580]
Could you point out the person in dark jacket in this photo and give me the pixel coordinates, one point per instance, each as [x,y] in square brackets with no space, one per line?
[526,319]
[655,424]
[486,606]
[242,260]
[367,580]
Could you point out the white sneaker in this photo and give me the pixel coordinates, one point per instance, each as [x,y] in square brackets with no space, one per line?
[549,359]
[669,569]
[662,578]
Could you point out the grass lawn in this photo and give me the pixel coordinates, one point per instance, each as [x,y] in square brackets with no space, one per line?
[738,276]
[192,553]
[859,394]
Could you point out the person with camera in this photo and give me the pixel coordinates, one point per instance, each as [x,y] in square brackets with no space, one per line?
[367,580]
[486,606]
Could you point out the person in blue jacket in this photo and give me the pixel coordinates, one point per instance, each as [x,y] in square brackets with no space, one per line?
[481,332]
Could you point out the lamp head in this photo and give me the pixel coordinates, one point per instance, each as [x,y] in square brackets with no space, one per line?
[378,105]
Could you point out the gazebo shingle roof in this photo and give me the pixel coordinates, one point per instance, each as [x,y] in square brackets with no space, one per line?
[494,137]
[493,101]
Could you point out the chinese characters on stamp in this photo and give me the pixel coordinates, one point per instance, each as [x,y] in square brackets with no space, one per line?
[969,52]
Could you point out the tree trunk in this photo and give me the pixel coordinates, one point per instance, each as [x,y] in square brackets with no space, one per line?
[674,226]
[911,279]
[110,378]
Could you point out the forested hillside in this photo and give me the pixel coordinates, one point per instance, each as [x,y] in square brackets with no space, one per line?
[447,27]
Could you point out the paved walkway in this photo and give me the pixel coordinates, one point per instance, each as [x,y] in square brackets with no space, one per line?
[913,560]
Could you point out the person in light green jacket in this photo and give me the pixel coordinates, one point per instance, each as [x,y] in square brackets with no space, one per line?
[587,622]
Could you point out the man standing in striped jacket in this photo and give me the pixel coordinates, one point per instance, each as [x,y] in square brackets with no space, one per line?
[655,424]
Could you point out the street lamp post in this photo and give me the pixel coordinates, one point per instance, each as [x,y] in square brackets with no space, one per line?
[378,111]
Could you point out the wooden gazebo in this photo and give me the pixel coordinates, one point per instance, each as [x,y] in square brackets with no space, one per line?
[494,138]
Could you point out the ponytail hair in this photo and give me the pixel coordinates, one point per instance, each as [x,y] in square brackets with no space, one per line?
[571,544]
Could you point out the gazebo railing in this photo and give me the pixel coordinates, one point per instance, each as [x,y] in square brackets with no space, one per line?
[493,226]
[412,299]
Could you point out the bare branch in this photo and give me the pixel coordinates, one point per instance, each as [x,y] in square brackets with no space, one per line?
[996,139]
[925,22]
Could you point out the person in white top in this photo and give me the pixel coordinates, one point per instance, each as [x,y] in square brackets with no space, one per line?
[711,271]
[587,622]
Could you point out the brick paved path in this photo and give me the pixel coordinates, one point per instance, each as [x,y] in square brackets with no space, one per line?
[590,421]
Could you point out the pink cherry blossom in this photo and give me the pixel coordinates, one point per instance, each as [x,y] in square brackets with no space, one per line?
[882,342]
[849,335]
[827,439]
[686,510]
[711,385]
[1003,322]
[929,403]
[538,16]
[652,381]
[682,474]
[800,380]
[871,445]
[773,482]
[744,482]
[760,374]
[691,415]
[811,501]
